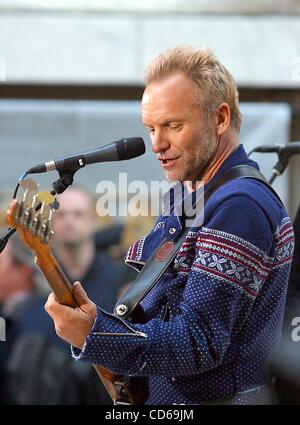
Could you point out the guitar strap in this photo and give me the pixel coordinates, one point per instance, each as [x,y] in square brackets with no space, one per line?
[161,258]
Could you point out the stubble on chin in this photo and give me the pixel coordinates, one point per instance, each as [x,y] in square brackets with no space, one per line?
[188,172]
[194,163]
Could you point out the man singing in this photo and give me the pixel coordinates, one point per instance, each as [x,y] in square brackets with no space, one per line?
[225,292]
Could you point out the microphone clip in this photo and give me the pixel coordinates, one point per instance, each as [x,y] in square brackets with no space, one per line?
[59,186]
[65,180]
[280,166]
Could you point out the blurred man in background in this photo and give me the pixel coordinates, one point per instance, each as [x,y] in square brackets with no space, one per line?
[21,289]
[74,247]
[19,281]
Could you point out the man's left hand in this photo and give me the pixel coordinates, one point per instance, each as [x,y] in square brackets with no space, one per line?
[73,324]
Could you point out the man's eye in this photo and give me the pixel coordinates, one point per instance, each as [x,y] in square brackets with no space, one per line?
[176,127]
[151,130]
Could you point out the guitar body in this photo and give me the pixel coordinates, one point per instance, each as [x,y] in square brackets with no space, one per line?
[31,217]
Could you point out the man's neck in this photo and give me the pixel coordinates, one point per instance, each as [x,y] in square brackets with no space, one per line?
[76,260]
[224,149]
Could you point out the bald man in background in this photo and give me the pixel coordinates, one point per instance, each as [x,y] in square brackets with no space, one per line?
[75,226]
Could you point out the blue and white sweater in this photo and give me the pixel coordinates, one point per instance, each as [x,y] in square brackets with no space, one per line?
[225,292]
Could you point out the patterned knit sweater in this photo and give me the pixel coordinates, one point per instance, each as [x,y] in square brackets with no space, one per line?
[225,293]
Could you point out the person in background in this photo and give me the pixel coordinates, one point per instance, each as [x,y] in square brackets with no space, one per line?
[20,280]
[74,247]
[22,288]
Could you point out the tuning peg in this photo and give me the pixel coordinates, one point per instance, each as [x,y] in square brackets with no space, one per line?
[46,197]
[45,231]
[35,226]
[29,185]
[34,201]
[45,211]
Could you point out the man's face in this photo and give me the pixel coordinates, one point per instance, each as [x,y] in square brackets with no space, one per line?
[181,136]
[73,222]
[12,275]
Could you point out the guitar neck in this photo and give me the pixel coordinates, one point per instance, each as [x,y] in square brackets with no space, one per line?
[58,281]
[62,288]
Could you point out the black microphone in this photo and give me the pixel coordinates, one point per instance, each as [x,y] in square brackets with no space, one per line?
[291,148]
[116,151]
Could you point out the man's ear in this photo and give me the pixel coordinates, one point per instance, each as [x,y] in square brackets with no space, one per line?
[222,118]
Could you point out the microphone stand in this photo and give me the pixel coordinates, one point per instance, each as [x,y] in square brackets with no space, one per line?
[59,186]
[280,166]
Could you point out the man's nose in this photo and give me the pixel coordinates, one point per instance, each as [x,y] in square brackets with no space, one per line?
[159,142]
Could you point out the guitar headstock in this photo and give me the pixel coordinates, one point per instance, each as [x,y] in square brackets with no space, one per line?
[33,225]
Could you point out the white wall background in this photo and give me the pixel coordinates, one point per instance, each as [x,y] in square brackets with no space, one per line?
[112,41]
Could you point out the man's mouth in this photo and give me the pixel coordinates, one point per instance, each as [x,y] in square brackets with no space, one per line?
[168,161]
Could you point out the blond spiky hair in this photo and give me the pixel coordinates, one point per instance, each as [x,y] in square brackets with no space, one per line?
[215,83]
